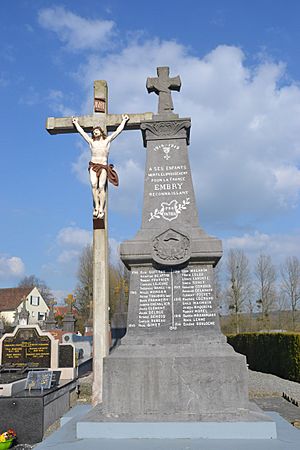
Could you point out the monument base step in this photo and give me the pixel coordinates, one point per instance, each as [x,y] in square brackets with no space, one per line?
[249,424]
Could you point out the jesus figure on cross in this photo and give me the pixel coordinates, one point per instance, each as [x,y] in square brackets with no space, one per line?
[99,169]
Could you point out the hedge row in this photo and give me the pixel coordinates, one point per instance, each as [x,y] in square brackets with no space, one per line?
[276,353]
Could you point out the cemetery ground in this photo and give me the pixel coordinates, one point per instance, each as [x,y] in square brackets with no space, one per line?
[264,389]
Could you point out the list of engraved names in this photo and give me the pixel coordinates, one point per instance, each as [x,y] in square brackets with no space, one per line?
[174,298]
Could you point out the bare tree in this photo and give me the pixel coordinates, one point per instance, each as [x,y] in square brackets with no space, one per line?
[84,288]
[290,283]
[239,290]
[33,281]
[265,275]
[217,284]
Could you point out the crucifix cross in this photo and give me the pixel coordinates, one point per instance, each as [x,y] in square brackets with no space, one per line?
[100,117]
[108,122]
[162,86]
[99,169]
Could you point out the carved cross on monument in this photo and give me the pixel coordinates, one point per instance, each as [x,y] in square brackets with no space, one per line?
[162,86]
[108,122]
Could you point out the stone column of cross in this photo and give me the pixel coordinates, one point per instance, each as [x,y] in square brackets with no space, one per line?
[108,122]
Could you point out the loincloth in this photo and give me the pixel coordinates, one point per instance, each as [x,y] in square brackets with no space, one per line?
[111,173]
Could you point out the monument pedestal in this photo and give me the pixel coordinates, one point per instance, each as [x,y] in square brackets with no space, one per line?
[173,375]
[182,390]
[177,382]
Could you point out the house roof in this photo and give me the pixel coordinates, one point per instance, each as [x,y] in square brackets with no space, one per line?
[62,310]
[57,334]
[10,298]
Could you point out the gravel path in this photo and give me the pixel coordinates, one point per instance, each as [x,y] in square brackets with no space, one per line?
[267,385]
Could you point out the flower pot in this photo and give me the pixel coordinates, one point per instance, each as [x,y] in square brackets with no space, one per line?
[5,445]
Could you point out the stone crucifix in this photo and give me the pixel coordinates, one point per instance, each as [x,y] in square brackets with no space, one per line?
[162,86]
[105,123]
[99,124]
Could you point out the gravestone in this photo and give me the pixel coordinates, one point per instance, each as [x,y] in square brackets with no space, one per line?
[66,355]
[174,364]
[30,348]
[26,348]
[31,411]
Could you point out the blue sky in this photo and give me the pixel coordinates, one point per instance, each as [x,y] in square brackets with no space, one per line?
[239,64]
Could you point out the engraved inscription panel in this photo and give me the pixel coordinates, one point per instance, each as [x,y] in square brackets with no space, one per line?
[173,299]
[167,181]
[169,194]
[26,348]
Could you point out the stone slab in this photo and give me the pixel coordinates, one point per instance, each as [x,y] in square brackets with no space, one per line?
[10,389]
[177,430]
[31,413]
[286,409]
[65,439]
[174,387]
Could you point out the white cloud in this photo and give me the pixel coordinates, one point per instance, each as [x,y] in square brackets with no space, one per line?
[31,97]
[114,251]
[67,256]
[127,197]
[76,32]
[11,267]
[278,246]
[245,136]
[66,251]
[80,166]
[287,184]
[74,237]
[56,101]
[60,295]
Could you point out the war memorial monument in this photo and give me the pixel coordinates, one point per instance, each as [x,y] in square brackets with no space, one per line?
[174,375]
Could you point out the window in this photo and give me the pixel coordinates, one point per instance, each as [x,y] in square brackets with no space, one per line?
[34,301]
[41,316]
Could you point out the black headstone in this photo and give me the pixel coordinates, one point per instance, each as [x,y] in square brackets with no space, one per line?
[26,348]
[66,355]
[55,378]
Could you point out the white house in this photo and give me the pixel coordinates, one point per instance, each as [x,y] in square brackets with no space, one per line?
[11,301]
